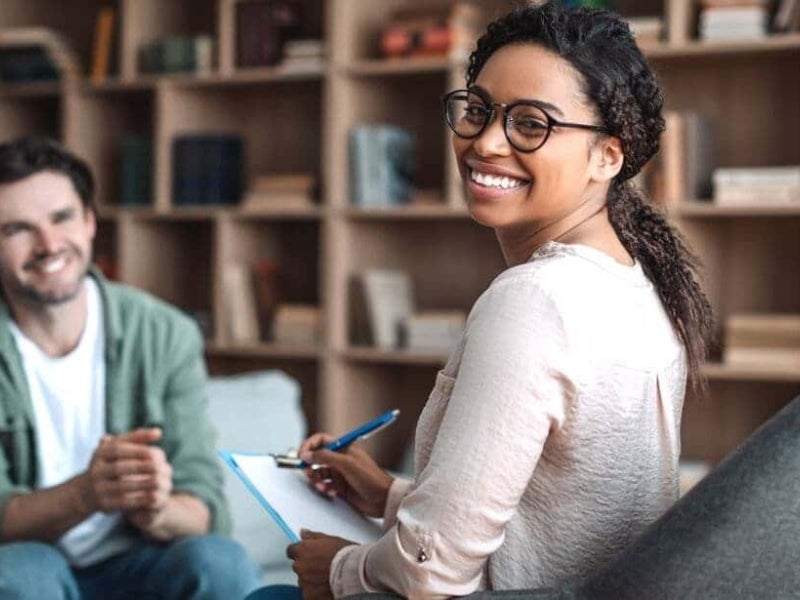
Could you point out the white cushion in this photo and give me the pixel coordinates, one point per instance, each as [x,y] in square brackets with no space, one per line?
[256,412]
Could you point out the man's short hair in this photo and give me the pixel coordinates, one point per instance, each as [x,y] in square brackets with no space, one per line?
[29,155]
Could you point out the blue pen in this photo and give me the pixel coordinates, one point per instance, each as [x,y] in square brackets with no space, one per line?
[359,433]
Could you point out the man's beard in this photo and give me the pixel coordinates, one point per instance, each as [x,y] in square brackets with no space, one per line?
[32,295]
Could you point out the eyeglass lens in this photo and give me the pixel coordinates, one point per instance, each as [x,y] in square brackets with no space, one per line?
[526,126]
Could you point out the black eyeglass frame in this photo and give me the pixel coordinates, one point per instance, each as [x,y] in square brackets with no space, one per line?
[490,107]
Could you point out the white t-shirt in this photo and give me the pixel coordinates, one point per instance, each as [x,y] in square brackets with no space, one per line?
[69,405]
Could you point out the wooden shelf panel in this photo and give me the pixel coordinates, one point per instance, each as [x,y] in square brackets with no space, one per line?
[400,66]
[725,372]
[263,350]
[702,210]
[442,211]
[27,90]
[393,357]
[714,49]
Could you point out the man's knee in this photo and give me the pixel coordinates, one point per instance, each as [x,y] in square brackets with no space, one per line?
[35,570]
[213,563]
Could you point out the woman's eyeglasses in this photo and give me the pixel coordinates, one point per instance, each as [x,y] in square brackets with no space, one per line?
[526,123]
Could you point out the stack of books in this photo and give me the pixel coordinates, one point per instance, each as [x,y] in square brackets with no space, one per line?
[290,190]
[303,55]
[757,185]
[296,324]
[763,340]
[733,19]
[383,163]
[433,331]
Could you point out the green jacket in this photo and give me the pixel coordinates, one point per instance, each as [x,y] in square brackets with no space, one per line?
[155,376]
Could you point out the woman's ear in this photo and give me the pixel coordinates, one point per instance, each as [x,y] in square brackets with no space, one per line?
[607,159]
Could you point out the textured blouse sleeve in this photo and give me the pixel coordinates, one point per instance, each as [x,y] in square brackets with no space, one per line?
[510,391]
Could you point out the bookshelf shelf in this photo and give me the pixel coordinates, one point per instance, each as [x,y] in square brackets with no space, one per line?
[774,44]
[762,373]
[708,210]
[368,354]
[433,211]
[31,90]
[398,66]
[277,351]
[244,76]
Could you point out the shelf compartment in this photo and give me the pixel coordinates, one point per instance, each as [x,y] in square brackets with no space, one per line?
[426,250]
[97,122]
[172,260]
[390,100]
[22,114]
[290,246]
[280,125]
[359,392]
[145,21]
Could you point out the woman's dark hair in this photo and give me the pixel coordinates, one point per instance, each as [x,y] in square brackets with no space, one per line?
[26,156]
[625,93]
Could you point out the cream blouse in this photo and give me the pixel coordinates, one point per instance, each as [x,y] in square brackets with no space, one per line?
[550,439]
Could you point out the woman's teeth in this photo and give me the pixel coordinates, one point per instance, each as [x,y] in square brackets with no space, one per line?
[503,182]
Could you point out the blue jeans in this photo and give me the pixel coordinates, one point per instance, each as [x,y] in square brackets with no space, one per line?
[194,567]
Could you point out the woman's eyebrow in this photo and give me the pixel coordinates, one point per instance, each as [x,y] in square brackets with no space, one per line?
[485,95]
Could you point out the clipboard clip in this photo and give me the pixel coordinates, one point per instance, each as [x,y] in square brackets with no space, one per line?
[288,461]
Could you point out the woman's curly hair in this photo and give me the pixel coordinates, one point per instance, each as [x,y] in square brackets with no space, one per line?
[619,84]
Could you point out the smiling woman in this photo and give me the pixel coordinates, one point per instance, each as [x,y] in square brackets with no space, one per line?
[551,437]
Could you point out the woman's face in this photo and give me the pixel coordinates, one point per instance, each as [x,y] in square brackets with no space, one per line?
[550,182]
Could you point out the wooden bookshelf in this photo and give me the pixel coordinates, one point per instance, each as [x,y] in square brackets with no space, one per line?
[297,120]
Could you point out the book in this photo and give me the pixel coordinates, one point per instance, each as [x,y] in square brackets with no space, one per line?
[382,300]
[283,190]
[136,170]
[262,28]
[686,158]
[207,169]
[293,504]
[680,21]
[102,43]
[297,324]
[268,286]
[239,303]
[756,185]
[434,331]
[772,330]
[382,165]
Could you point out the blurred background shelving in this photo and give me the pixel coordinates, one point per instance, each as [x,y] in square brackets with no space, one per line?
[298,120]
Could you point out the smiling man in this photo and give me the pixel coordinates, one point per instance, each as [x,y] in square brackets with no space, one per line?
[108,478]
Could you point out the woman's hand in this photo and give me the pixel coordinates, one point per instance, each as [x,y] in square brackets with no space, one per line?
[312,558]
[350,474]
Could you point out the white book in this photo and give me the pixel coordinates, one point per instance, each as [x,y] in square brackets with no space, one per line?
[241,313]
[389,300]
[757,175]
[291,502]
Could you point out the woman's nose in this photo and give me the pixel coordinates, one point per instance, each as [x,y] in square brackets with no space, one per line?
[493,141]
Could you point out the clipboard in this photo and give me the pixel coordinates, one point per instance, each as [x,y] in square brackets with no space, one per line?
[293,504]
